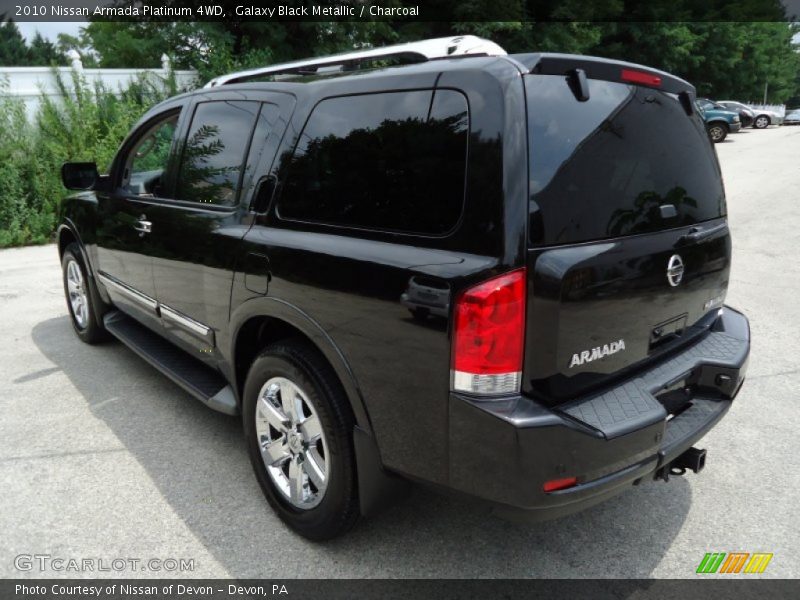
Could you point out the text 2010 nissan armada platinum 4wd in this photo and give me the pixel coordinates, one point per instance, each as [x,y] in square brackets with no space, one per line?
[501,275]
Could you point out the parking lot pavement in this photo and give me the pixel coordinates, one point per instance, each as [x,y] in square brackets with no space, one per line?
[101,457]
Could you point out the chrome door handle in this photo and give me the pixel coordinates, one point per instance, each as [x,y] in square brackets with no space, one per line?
[143,226]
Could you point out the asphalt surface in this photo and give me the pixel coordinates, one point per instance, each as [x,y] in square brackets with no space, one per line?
[101,457]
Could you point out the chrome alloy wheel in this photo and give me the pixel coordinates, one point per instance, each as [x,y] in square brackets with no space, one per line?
[76,289]
[762,122]
[292,443]
[717,133]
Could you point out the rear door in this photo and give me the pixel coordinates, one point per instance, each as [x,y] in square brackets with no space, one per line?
[629,250]
[196,234]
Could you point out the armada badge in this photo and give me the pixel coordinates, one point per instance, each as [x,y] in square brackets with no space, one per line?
[580,358]
[675,270]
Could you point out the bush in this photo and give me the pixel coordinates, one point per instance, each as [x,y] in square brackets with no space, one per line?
[88,123]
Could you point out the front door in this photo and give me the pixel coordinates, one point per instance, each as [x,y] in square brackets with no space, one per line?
[196,238]
[124,258]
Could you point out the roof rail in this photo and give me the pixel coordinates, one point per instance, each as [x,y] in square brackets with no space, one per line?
[413,52]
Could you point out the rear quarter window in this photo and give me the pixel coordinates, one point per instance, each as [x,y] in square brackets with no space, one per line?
[604,168]
[392,161]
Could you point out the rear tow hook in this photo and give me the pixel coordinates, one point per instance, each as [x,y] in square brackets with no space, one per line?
[694,459]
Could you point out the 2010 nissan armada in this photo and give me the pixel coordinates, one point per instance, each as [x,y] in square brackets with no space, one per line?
[502,275]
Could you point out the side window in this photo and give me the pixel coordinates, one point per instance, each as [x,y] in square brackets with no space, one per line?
[147,162]
[214,152]
[390,162]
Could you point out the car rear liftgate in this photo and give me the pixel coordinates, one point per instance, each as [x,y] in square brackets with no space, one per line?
[629,250]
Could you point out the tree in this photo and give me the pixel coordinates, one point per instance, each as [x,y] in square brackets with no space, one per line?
[81,44]
[43,52]
[13,52]
[725,47]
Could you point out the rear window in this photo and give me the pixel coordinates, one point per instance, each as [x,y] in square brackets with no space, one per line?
[389,161]
[604,168]
[214,151]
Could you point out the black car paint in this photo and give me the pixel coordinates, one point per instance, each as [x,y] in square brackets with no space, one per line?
[343,288]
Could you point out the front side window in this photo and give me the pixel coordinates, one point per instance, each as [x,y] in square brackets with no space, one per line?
[215,149]
[389,162]
[147,161]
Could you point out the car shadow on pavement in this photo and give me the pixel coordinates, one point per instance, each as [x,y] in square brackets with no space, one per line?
[198,462]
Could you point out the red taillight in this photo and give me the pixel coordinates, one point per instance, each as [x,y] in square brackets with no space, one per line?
[640,77]
[560,484]
[488,336]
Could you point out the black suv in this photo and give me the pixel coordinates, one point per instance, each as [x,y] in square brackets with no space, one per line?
[501,275]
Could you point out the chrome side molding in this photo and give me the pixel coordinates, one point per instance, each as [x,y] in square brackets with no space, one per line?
[131,293]
[194,327]
[167,314]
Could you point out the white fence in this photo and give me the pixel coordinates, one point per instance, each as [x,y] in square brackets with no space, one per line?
[778,108]
[31,83]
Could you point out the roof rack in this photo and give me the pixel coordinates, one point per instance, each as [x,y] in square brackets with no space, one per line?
[412,52]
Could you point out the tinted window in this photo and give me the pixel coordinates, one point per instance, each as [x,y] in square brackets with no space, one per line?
[391,161]
[603,168]
[214,151]
[266,125]
[147,161]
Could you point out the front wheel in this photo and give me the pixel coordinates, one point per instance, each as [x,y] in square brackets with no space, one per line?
[717,132]
[81,306]
[298,429]
[761,122]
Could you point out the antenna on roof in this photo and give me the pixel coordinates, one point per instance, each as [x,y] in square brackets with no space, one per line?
[412,52]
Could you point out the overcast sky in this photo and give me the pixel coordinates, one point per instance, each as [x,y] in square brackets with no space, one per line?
[50,30]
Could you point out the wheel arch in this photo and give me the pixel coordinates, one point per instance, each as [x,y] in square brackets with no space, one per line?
[377,488]
[260,321]
[67,234]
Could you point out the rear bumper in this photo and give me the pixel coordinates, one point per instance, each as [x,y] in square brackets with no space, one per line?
[504,451]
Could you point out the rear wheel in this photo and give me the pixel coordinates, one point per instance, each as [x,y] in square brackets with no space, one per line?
[77,289]
[761,122]
[298,428]
[717,132]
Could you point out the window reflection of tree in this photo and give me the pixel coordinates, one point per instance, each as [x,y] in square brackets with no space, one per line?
[382,177]
[645,214]
[200,180]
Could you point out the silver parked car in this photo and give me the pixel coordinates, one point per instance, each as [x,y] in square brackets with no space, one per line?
[762,118]
[792,117]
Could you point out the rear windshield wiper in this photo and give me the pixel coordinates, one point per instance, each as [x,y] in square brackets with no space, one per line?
[696,234]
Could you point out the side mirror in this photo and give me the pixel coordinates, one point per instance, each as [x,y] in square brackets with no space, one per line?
[79,176]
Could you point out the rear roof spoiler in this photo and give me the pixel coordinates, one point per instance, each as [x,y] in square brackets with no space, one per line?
[606,69]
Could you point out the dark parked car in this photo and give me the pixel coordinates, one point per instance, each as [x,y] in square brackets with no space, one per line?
[746,114]
[555,224]
[719,121]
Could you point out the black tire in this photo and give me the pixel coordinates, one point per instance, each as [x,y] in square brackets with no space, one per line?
[338,509]
[419,314]
[761,122]
[88,326]
[717,132]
